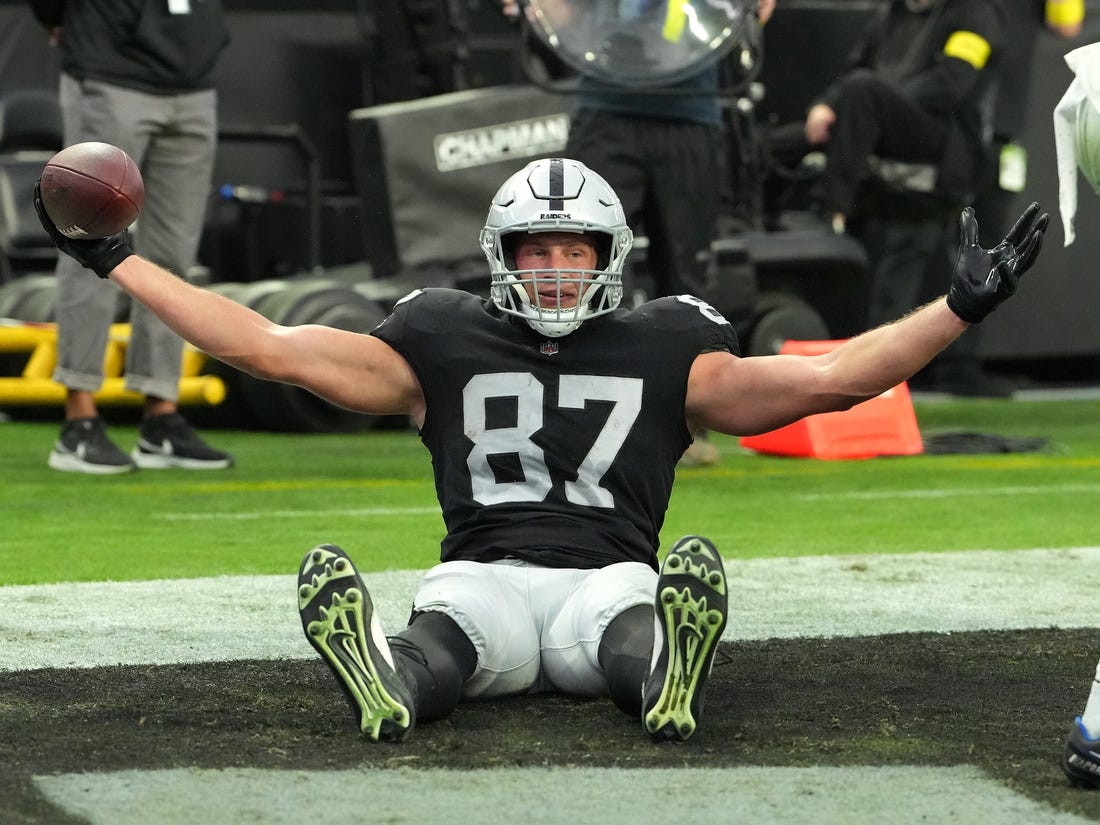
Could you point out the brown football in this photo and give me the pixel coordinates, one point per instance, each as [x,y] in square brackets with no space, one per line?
[92,190]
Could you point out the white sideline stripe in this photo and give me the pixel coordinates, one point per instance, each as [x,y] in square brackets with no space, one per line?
[939,492]
[255,617]
[269,514]
[549,796]
[868,495]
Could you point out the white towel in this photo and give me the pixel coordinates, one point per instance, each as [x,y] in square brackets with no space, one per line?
[1078,109]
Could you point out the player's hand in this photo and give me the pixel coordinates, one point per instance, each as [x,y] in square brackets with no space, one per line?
[100,255]
[983,278]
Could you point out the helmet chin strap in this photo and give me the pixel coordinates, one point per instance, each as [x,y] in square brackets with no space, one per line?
[551,329]
[554,330]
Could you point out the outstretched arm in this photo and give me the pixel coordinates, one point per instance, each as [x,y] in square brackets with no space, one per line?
[356,371]
[744,396]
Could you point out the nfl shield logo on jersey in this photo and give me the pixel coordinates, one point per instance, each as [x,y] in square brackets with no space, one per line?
[548,348]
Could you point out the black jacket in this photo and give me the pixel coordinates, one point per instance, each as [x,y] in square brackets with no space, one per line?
[139,44]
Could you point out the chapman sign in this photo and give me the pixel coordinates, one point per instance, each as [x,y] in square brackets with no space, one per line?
[545,135]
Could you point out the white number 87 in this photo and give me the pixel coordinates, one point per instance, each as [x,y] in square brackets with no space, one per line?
[574,391]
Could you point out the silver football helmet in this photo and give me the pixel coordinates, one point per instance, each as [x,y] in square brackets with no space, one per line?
[556,195]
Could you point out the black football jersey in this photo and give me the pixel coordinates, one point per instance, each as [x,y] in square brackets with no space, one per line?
[559,451]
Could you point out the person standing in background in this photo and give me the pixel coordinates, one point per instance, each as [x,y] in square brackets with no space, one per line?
[913,95]
[958,370]
[137,74]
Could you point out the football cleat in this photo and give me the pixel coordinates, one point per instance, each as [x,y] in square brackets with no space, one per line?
[1081,757]
[339,621]
[690,607]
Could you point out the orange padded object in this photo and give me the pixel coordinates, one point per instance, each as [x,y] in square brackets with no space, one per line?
[883,425]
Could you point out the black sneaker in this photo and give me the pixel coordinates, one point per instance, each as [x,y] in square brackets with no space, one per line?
[168,440]
[84,447]
[691,614]
[1081,757]
[339,621]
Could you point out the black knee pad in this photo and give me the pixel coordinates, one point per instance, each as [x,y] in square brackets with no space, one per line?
[624,654]
[436,658]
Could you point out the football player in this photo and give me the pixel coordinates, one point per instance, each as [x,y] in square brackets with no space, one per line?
[554,419]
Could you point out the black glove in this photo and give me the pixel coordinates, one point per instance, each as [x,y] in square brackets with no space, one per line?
[101,255]
[983,278]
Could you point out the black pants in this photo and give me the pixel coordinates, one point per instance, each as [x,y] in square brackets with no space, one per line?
[993,208]
[901,252]
[668,175]
[992,204]
[873,117]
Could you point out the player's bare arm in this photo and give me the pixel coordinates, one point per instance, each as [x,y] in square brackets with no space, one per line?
[356,371]
[744,396]
[784,388]
[352,370]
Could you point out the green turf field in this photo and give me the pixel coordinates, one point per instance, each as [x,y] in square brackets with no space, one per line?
[935,686]
[372,492]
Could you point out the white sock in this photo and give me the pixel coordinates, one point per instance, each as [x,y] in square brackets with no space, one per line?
[1090,718]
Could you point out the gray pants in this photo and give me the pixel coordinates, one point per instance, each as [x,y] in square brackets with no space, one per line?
[173,140]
